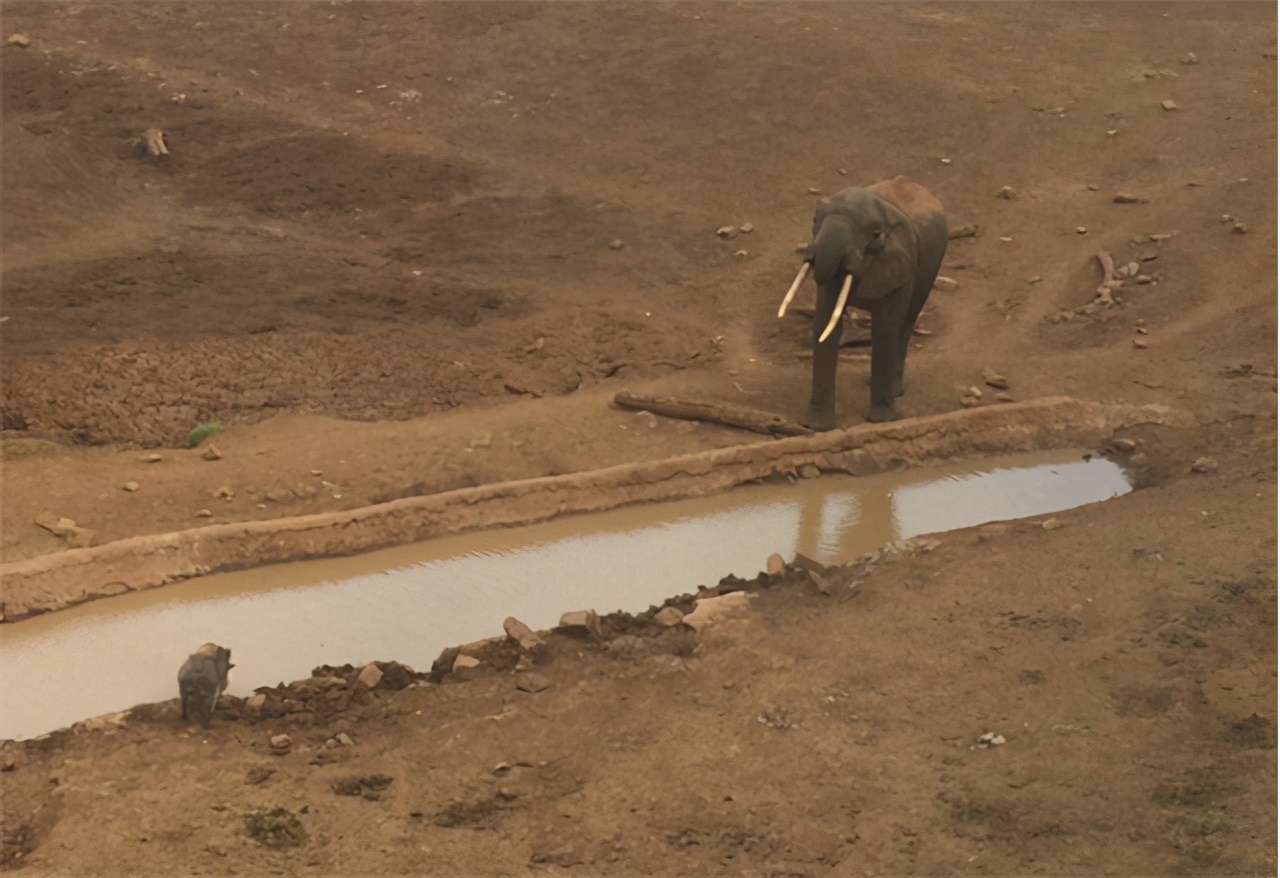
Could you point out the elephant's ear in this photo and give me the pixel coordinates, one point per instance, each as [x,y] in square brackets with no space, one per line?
[892,269]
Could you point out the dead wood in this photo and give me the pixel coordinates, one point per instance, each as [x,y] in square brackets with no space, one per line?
[723,413]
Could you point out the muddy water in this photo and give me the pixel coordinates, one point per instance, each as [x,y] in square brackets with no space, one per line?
[411,602]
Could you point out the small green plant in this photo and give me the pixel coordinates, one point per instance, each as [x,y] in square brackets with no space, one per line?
[201,433]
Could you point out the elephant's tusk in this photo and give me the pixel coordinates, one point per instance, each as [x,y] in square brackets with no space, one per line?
[838,311]
[795,285]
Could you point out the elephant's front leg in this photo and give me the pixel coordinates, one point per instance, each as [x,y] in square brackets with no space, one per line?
[822,402]
[888,352]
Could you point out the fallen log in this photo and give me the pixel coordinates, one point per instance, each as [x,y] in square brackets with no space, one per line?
[723,413]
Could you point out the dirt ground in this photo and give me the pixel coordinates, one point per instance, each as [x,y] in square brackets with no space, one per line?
[396,249]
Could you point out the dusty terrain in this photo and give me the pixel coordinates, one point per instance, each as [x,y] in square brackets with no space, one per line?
[400,248]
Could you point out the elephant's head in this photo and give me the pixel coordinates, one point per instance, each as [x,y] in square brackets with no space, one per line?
[860,244]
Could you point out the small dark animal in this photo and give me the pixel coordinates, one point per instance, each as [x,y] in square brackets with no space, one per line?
[202,678]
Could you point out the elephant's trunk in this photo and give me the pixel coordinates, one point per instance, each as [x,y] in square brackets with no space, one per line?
[838,310]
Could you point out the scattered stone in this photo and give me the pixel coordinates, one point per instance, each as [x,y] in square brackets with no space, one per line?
[1004,397]
[204,513]
[814,190]
[524,663]
[741,254]
[1081,230]
[522,634]
[746,228]
[1124,446]
[617,244]
[668,617]
[1006,192]
[1169,105]
[211,452]
[224,493]
[945,161]
[64,528]
[150,458]
[532,683]
[258,774]
[20,40]
[969,231]
[317,472]
[968,402]
[156,143]
[463,662]
[820,581]
[277,828]
[280,744]
[255,702]
[727,232]
[1034,279]
[131,486]
[586,619]
[370,675]
[1129,269]
[709,611]
[1141,344]
[941,282]
[1005,239]
[775,565]
[1189,58]
[1052,524]
[990,739]
[1092,187]
[975,392]
[1204,465]
[809,471]
[1126,198]
[992,378]
[1239,228]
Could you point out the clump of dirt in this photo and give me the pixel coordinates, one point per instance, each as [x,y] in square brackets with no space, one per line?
[276,828]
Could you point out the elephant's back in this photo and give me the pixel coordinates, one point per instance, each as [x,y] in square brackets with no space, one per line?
[911,198]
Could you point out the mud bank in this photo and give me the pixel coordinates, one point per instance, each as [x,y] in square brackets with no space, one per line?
[64,579]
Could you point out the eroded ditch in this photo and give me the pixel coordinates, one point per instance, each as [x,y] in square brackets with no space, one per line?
[411,602]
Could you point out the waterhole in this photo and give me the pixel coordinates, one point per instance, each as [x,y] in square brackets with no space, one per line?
[411,602]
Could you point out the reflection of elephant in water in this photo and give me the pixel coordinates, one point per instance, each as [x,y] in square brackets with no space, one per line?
[878,248]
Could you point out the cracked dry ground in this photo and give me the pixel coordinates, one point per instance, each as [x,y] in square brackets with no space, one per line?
[420,246]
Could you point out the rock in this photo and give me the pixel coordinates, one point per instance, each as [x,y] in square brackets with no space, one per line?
[1004,397]
[532,683]
[224,493]
[1169,105]
[668,617]
[1239,228]
[259,774]
[255,702]
[463,662]
[1130,269]
[344,739]
[586,619]
[1082,230]
[370,675]
[59,527]
[617,244]
[814,190]
[1006,192]
[1189,58]
[709,611]
[131,486]
[968,402]
[211,452]
[280,743]
[990,739]
[975,392]
[1034,279]
[522,634]
[1005,239]
[992,378]
[945,161]
[741,254]
[945,283]
[1141,344]
[809,471]
[204,513]
[1126,198]
[820,581]
[746,228]
[1204,465]
[20,40]
[727,232]
[150,458]
[1124,446]
[1052,524]
[1144,279]
[774,564]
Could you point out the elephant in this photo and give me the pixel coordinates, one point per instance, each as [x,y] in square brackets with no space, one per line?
[879,248]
